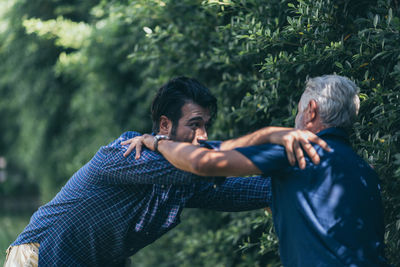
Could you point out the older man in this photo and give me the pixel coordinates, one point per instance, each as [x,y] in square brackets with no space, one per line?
[325,215]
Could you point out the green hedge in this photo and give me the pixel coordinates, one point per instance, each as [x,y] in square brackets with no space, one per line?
[74,76]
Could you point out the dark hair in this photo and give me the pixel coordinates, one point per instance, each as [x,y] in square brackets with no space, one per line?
[177,92]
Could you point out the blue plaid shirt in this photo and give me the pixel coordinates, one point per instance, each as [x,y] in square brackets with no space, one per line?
[114,206]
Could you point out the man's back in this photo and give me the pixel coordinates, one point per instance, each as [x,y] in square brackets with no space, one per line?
[89,222]
[328,214]
[114,206]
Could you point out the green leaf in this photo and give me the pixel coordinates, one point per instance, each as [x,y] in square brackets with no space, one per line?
[299,68]
[339,65]
[379,55]
[376,19]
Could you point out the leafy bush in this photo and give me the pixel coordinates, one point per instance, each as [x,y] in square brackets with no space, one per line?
[74,76]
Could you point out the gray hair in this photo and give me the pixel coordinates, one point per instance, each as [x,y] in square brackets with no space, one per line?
[336,97]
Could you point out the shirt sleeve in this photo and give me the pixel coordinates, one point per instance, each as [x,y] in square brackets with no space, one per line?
[269,158]
[150,168]
[215,145]
[233,194]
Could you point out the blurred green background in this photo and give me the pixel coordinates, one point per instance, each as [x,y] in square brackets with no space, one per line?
[74,75]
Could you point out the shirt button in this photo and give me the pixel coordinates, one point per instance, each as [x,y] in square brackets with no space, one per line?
[147,233]
[162,186]
[215,186]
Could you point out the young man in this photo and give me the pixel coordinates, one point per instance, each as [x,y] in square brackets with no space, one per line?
[114,206]
[325,215]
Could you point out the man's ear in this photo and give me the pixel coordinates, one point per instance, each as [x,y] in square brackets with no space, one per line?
[312,110]
[311,115]
[312,120]
[165,125]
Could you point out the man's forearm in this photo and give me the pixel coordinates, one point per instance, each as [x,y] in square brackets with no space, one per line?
[258,137]
[205,162]
[233,194]
[181,155]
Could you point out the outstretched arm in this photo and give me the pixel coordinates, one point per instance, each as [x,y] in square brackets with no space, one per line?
[203,161]
[233,194]
[206,162]
[258,137]
[290,138]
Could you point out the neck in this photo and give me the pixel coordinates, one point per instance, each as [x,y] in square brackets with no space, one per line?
[316,127]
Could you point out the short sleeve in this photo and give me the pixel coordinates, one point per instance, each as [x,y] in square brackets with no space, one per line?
[269,158]
[215,145]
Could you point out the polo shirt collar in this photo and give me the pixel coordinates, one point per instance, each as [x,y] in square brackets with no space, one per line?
[335,132]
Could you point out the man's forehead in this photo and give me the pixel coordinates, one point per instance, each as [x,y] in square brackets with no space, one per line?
[193,111]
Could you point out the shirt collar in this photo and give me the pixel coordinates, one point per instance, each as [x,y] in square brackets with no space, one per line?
[336,132]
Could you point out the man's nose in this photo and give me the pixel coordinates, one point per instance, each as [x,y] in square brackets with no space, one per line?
[202,134]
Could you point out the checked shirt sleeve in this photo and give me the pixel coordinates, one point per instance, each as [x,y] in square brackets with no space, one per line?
[150,168]
[234,194]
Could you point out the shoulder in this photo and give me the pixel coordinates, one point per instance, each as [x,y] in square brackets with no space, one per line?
[116,144]
[123,137]
[265,149]
[344,163]
[114,148]
[267,157]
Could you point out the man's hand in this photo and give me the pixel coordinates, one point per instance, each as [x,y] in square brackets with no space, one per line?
[293,140]
[137,142]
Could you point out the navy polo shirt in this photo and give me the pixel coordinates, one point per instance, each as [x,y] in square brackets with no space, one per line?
[328,214]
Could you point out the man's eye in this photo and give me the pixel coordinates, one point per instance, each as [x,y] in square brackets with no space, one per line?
[194,124]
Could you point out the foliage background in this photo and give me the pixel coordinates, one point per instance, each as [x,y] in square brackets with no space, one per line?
[76,74]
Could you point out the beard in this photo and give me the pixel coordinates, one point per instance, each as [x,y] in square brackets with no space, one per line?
[174,129]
